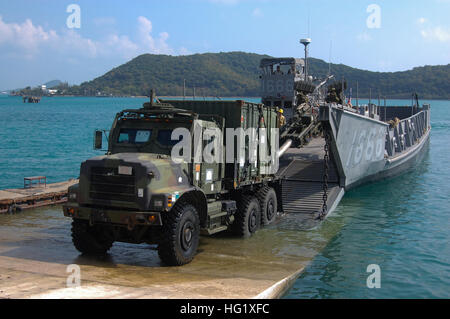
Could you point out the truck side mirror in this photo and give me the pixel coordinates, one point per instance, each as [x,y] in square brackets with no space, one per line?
[98,139]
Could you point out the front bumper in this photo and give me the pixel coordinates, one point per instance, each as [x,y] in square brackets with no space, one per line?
[112,216]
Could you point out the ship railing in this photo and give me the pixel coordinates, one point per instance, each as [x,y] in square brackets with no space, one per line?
[403,134]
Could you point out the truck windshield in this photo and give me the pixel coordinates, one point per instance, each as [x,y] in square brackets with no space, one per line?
[145,137]
[165,138]
[134,136]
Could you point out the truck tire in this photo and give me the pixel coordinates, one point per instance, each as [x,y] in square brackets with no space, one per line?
[248,217]
[91,240]
[180,235]
[269,205]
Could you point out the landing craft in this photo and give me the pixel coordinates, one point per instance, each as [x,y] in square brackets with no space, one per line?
[137,193]
[333,145]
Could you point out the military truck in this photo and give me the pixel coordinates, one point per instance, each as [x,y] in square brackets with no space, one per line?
[138,193]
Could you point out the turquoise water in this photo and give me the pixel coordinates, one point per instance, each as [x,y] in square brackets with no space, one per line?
[53,137]
[401,224]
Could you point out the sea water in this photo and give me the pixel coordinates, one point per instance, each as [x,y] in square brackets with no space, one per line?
[400,224]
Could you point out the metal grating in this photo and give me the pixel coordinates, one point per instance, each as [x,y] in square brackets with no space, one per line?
[302,187]
[306,197]
[309,171]
[107,184]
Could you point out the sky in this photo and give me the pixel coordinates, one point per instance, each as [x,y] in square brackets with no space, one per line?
[43,40]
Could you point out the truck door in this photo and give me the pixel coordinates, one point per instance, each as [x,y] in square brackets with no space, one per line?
[209,157]
[249,162]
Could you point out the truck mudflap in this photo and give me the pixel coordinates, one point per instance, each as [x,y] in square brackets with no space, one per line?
[118,217]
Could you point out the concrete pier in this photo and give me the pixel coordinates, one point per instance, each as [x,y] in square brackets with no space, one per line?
[36,249]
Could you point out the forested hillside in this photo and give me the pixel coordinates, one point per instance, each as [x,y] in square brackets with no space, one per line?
[237,74]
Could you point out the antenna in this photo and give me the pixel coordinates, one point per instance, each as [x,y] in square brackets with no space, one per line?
[309,22]
[306,42]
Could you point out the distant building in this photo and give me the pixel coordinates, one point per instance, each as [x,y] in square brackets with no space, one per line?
[52,92]
[44,88]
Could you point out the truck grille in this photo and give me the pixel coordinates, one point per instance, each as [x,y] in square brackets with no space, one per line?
[107,184]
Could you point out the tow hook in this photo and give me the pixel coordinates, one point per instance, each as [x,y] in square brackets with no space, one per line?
[131,223]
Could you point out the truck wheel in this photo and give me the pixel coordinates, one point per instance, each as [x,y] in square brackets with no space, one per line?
[91,240]
[248,217]
[269,205]
[180,235]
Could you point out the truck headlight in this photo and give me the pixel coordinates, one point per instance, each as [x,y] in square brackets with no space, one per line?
[72,193]
[159,203]
[72,197]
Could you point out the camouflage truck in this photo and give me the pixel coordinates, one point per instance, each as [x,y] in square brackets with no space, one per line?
[137,193]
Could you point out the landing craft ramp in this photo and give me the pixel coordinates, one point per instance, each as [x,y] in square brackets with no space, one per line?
[302,179]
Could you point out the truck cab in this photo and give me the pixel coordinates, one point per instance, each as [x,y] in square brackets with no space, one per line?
[139,192]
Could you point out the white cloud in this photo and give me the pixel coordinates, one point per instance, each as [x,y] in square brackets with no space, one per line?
[158,46]
[123,45]
[436,34]
[28,40]
[421,20]
[73,44]
[257,12]
[145,29]
[25,36]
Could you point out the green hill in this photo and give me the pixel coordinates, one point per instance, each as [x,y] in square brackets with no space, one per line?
[237,74]
[430,82]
